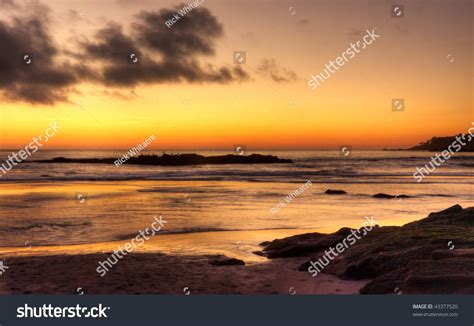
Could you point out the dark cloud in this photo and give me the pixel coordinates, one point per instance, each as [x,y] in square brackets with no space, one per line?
[194,33]
[112,45]
[45,80]
[270,69]
[175,54]
[164,54]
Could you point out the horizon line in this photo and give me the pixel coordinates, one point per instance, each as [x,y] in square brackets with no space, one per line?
[214,149]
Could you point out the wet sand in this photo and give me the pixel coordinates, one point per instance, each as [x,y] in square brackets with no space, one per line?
[166,264]
[147,273]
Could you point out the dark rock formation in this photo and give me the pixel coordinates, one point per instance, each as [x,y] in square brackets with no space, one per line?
[439,144]
[382,195]
[335,192]
[432,255]
[178,159]
[220,260]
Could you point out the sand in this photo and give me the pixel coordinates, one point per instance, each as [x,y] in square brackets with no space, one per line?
[166,264]
[154,273]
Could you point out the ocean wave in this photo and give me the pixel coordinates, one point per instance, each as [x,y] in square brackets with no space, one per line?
[189,190]
[201,230]
[394,178]
[44,225]
[411,196]
[316,169]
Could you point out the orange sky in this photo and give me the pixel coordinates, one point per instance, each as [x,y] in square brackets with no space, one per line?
[409,60]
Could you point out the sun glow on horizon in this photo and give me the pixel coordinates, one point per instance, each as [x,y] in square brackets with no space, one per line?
[274,108]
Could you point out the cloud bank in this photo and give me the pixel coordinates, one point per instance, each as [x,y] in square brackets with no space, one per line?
[164,54]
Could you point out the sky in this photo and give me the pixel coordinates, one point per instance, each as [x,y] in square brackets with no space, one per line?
[187,89]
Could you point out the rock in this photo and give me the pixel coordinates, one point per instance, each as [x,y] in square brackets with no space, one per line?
[438,144]
[305,266]
[448,276]
[382,195]
[344,231]
[177,160]
[455,215]
[335,192]
[384,262]
[451,210]
[457,253]
[390,283]
[301,245]
[413,258]
[220,260]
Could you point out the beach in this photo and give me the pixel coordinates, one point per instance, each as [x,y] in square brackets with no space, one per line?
[157,268]
[432,255]
[147,273]
[165,264]
[58,221]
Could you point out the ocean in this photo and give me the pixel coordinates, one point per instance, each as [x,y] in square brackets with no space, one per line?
[44,204]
